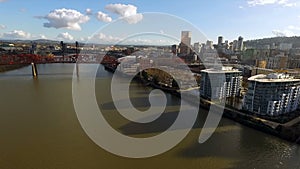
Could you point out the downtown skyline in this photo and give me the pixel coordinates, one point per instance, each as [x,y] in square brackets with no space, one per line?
[78,21]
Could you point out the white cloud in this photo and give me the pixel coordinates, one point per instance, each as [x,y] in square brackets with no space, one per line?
[127,12]
[83,39]
[283,33]
[23,10]
[65,18]
[65,36]
[103,17]
[2,27]
[102,38]
[88,11]
[285,3]
[41,36]
[133,18]
[292,27]
[122,9]
[16,34]
[20,34]
[290,4]
[143,41]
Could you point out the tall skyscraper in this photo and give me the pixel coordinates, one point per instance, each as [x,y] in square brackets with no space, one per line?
[240,44]
[197,47]
[174,49]
[209,44]
[185,45]
[220,40]
[226,44]
[186,37]
[234,45]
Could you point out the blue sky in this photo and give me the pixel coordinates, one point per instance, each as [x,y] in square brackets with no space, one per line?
[70,20]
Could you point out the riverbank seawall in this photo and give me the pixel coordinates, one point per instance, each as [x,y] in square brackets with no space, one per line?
[4,68]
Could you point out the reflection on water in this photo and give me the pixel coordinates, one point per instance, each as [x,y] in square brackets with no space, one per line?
[235,102]
[39,129]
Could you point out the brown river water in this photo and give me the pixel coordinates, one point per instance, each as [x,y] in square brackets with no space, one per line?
[39,129]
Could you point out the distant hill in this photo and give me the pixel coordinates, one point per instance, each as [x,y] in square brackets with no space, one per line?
[45,41]
[295,40]
[39,41]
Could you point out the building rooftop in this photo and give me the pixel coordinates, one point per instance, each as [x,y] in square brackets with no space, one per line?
[221,70]
[273,77]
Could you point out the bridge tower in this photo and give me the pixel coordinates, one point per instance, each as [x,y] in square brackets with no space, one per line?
[34,70]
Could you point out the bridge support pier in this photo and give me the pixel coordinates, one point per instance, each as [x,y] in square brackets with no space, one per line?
[77,69]
[34,70]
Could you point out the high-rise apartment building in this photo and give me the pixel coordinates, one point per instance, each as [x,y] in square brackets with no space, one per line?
[272,94]
[220,83]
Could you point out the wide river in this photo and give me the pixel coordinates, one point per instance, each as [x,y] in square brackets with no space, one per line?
[39,129]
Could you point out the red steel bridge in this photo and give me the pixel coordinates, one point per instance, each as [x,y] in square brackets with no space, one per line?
[33,59]
[26,59]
